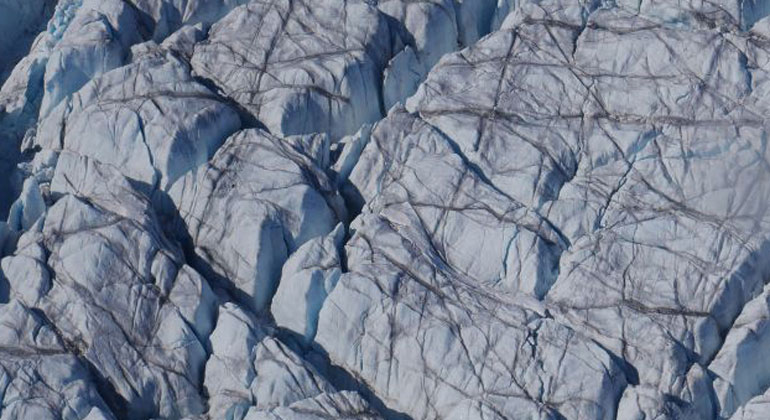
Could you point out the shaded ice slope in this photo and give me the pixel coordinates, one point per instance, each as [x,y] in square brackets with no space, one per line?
[253,204]
[154,108]
[20,21]
[300,67]
[454,209]
[83,39]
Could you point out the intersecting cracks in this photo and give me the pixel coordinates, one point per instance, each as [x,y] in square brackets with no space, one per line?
[498,91]
[563,59]
[288,367]
[27,351]
[475,169]
[344,49]
[630,302]
[59,233]
[138,343]
[223,167]
[619,184]
[273,41]
[704,17]
[431,234]
[236,177]
[478,365]
[478,173]
[31,381]
[442,306]
[392,167]
[515,213]
[311,174]
[112,218]
[718,223]
[705,85]
[105,388]
[149,293]
[446,283]
[527,356]
[332,27]
[674,205]
[541,398]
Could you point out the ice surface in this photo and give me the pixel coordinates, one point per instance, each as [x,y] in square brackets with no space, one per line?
[296,80]
[396,209]
[92,42]
[308,277]
[20,21]
[150,119]
[253,204]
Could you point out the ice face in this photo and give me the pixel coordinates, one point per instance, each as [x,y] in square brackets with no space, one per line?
[454,209]
[176,131]
[20,22]
[296,80]
[277,211]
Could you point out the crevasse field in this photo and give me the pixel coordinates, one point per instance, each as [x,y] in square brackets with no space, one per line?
[393,209]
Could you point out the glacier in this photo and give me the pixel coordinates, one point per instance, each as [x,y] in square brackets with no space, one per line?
[384,209]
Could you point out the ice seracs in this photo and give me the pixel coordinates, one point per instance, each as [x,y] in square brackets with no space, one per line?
[252,375]
[456,209]
[257,200]
[150,119]
[300,67]
[20,21]
[162,18]
[38,377]
[340,405]
[443,315]
[96,40]
[307,278]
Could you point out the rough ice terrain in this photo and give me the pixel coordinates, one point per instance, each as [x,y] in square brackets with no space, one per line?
[384,209]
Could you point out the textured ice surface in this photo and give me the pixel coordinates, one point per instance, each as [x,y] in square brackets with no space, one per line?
[300,67]
[439,209]
[152,108]
[257,200]
[308,277]
[20,22]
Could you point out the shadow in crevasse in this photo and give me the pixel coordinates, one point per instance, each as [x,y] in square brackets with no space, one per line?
[11,179]
[5,289]
[753,11]
[354,201]
[175,228]
[340,378]
[117,405]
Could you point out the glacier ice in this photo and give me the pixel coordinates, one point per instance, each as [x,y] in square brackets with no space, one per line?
[154,108]
[96,40]
[254,203]
[295,80]
[384,209]
[20,22]
[307,278]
